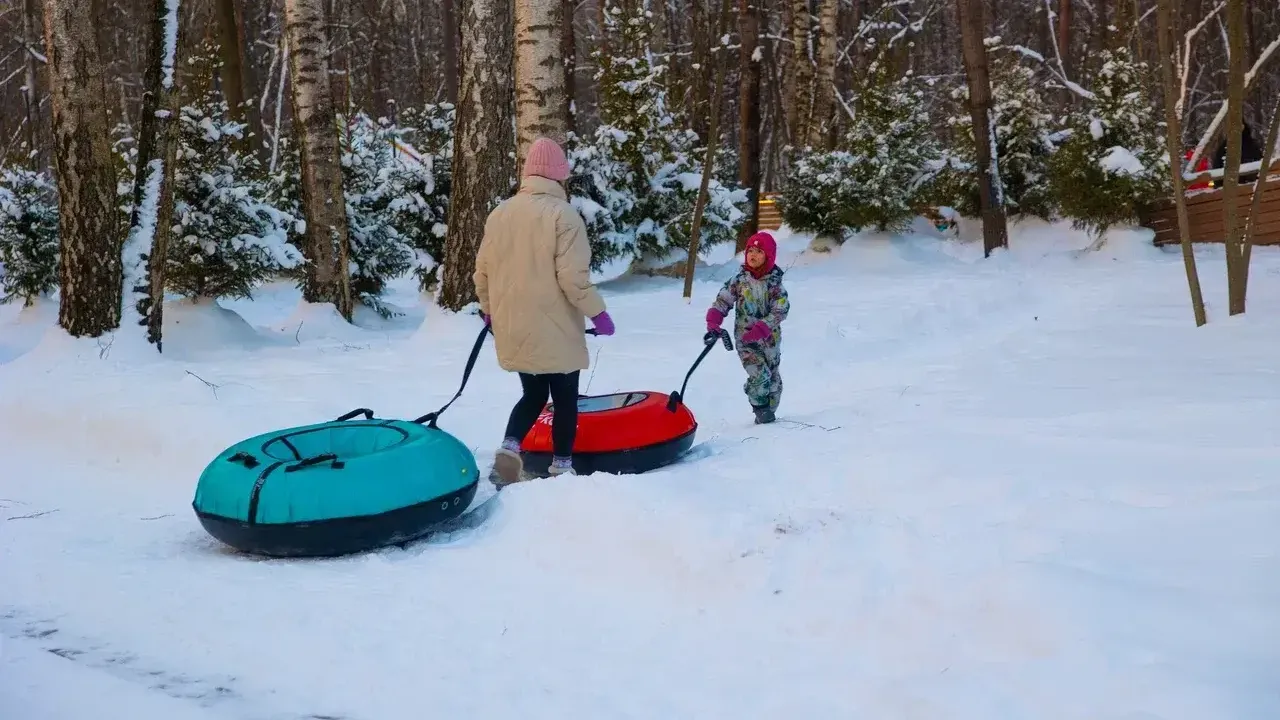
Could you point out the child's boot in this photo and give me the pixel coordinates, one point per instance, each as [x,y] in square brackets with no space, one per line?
[764,415]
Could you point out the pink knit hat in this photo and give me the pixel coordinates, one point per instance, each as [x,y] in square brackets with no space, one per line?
[547,160]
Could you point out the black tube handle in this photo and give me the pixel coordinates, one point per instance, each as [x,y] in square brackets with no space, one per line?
[366,412]
[316,460]
[709,339]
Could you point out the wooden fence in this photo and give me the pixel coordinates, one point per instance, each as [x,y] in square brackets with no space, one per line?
[1204,213]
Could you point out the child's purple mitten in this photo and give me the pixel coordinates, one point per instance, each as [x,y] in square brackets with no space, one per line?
[757,332]
[714,319]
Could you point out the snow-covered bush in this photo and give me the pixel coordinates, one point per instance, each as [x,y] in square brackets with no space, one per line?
[396,211]
[426,200]
[1113,160]
[227,237]
[880,173]
[28,235]
[636,178]
[1022,128]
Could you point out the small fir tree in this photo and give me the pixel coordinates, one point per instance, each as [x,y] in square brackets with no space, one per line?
[1113,160]
[424,209]
[28,235]
[636,181]
[1022,130]
[883,169]
[227,236]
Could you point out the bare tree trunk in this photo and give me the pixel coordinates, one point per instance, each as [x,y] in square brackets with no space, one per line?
[1173,142]
[824,81]
[450,10]
[315,123]
[1231,173]
[539,74]
[1268,151]
[1064,35]
[89,224]
[990,191]
[569,53]
[713,141]
[235,73]
[482,170]
[31,89]
[749,115]
[799,83]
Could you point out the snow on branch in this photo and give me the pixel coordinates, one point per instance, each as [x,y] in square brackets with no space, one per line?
[1061,71]
[1218,119]
[1184,59]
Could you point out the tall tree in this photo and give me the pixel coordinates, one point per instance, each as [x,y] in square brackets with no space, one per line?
[482,142]
[973,25]
[89,225]
[1173,141]
[150,223]
[799,83]
[539,73]
[30,81]
[749,114]
[315,124]
[569,54]
[1236,270]
[449,8]
[235,67]
[824,89]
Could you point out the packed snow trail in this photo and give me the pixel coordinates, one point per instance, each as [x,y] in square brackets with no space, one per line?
[1022,487]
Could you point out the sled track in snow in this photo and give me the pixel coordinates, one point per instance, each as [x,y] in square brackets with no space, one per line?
[217,693]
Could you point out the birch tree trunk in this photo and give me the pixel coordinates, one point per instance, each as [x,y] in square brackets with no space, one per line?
[147,244]
[824,80]
[482,143]
[89,224]
[799,83]
[1173,142]
[749,114]
[315,124]
[539,73]
[990,191]
[1236,271]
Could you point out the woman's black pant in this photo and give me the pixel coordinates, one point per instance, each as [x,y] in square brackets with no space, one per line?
[563,391]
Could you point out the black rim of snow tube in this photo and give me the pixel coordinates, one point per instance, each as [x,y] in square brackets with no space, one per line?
[618,462]
[339,536]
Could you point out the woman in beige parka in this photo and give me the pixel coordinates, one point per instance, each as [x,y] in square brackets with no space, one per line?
[533,281]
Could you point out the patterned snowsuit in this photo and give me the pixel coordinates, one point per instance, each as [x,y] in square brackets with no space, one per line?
[751,300]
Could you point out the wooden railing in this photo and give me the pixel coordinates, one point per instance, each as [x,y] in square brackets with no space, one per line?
[1204,213]
[770,216]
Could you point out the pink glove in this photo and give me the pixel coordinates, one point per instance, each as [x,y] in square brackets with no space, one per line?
[714,319]
[757,332]
[487,320]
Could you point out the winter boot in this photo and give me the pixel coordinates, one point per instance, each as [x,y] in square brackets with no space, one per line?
[561,466]
[764,415]
[507,463]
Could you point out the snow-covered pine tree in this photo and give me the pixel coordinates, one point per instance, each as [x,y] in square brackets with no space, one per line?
[1022,145]
[424,208]
[881,171]
[28,235]
[227,237]
[636,181]
[1113,160]
[375,175]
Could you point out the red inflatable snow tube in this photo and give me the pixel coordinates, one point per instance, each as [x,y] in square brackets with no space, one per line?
[622,433]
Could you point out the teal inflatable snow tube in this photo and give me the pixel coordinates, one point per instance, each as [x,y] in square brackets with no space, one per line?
[336,487]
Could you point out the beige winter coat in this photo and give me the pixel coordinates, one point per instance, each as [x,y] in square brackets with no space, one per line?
[533,280]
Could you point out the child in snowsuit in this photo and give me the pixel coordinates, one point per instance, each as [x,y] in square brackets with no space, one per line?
[760,304]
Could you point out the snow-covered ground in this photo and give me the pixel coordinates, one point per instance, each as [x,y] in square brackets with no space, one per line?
[1020,487]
